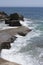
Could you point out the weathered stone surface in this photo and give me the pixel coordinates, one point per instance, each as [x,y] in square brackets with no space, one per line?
[14,23]
[24,33]
[21,33]
[4,36]
[13,31]
[12,39]
[16,16]
[5,45]
[7,36]
[3,40]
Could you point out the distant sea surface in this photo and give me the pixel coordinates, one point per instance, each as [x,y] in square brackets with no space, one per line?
[26,50]
[29,12]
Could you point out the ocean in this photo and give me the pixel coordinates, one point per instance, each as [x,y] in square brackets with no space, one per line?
[26,50]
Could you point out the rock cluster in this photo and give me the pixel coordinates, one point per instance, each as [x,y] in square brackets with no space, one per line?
[16,16]
[12,20]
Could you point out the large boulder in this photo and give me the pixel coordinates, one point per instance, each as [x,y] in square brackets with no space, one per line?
[14,23]
[14,19]
[16,16]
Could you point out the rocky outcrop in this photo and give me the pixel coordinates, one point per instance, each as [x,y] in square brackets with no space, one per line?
[21,33]
[14,19]
[5,40]
[3,15]
[5,45]
[24,33]
[16,16]
[12,39]
[14,23]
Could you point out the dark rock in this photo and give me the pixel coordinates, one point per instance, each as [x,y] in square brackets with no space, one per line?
[25,32]
[13,19]
[29,30]
[21,33]
[14,23]
[16,16]
[5,45]
[3,15]
[7,21]
[12,39]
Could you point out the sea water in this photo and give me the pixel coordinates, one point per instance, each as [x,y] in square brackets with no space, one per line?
[27,50]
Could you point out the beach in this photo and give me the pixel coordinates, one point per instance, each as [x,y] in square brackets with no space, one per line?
[5,62]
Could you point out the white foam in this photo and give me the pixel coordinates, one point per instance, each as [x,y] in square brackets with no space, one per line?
[23,23]
[20,58]
[7,28]
[26,19]
[17,35]
[4,26]
[33,34]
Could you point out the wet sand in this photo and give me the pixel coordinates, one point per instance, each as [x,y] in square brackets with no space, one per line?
[5,62]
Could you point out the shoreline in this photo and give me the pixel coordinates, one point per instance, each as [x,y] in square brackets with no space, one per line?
[5,62]
[11,32]
[8,35]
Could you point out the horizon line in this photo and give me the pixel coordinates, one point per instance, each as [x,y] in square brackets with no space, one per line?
[21,6]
